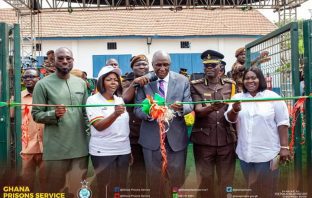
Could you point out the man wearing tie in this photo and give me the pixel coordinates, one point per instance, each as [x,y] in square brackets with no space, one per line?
[173,87]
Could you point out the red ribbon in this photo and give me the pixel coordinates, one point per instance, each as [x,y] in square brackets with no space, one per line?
[25,123]
[297,107]
[158,113]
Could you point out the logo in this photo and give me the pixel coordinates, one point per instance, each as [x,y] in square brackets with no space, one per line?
[175,192]
[84,191]
[229,189]
[117,192]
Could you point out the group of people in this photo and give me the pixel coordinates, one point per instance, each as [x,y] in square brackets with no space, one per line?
[124,143]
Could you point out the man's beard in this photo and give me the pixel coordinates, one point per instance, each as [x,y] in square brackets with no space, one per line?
[63,71]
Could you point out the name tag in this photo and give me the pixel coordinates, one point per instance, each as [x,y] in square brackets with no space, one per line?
[207,94]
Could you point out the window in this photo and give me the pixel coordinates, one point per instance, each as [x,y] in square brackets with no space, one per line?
[38,47]
[111,45]
[185,44]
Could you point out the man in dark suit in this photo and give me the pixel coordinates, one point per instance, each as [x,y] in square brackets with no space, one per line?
[173,87]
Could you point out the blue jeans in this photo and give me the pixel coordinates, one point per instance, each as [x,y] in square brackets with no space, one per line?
[260,179]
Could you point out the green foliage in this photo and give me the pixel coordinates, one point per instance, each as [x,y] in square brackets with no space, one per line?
[300,33]
[284,68]
[300,44]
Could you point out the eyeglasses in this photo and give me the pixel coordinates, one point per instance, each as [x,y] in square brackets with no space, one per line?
[29,76]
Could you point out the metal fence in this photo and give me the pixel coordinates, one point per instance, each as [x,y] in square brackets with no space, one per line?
[10,75]
[307,38]
[284,69]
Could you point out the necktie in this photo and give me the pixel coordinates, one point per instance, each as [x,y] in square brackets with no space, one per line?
[161,88]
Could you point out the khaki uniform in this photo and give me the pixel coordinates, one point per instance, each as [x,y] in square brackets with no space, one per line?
[137,169]
[134,122]
[213,138]
[49,67]
[237,75]
[237,66]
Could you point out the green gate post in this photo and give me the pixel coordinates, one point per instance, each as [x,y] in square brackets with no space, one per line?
[4,111]
[10,84]
[17,94]
[248,61]
[296,86]
[307,38]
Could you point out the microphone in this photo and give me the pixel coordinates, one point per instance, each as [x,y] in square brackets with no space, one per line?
[151,76]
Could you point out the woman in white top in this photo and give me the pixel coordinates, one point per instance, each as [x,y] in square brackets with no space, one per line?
[262,129]
[109,145]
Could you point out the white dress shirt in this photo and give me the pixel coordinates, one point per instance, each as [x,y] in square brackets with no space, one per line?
[257,127]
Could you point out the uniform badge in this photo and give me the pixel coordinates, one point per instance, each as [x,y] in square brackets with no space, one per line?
[207,94]
[84,191]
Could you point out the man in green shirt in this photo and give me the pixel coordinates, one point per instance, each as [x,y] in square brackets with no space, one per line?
[65,150]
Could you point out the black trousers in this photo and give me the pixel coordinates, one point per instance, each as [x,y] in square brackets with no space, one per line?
[111,172]
[137,176]
[211,159]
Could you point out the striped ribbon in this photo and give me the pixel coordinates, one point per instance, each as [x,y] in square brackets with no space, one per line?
[15,104]
[298,105]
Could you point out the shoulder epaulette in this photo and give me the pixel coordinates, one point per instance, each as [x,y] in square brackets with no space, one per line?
[193,82]
[228,80]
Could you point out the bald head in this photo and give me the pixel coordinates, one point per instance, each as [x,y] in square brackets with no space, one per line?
[63,62]
[112,62]
[62,49]
[161,64]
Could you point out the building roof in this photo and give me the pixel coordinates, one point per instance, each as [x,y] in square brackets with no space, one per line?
[188,22]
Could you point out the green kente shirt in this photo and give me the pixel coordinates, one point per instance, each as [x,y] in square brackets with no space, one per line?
[63,138]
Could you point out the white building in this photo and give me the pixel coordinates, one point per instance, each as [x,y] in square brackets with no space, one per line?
[95,36]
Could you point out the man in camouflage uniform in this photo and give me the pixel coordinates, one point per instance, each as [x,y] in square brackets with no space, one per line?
[48,66]
[238,68]
[212,137]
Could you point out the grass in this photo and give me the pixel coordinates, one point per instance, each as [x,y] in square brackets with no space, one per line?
[287,177]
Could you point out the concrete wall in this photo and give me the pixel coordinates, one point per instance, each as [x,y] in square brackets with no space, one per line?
[84,49]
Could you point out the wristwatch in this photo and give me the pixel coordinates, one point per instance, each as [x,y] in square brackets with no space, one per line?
[285,147]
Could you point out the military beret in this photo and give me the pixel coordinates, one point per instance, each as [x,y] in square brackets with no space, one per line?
[138,58]
[239,51]
[211,56]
